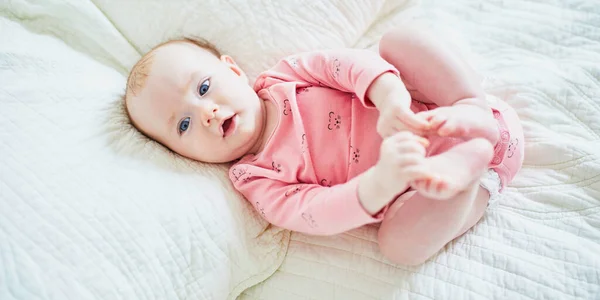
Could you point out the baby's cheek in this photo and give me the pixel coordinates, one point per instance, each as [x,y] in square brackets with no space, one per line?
[246,128]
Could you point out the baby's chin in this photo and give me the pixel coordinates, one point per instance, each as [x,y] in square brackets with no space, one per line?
[232,154]
[246,139]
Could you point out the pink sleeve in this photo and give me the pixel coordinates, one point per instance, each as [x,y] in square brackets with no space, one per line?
[307,208]
[348,70]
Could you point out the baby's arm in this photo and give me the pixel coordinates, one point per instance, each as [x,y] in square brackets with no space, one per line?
[328,210]
[374,81]
[312,208]
[324,210]
[347,70]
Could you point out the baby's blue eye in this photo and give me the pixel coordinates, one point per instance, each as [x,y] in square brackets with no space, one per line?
[204,86]
[184,125]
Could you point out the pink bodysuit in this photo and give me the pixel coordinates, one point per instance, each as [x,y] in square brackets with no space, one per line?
[305,177]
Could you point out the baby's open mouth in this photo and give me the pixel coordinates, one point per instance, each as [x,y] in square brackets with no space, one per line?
[228,126]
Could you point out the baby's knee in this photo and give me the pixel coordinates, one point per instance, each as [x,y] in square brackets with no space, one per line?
[404,37]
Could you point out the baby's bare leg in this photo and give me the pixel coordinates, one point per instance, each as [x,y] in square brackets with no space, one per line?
[442,77]
[416,229]
[427,64]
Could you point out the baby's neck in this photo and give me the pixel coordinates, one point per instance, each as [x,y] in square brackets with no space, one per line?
[269,123]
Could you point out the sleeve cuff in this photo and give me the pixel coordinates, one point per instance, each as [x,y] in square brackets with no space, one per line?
[369,75]
[353,209]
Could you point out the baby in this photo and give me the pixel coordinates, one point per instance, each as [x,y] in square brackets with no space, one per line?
[328,141]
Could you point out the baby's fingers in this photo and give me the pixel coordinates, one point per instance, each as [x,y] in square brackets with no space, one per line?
[416,172]
[412,149]
[415,121]
[407,136]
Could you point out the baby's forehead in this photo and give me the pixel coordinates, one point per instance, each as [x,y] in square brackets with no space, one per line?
[179,47]
[180,59]
[168,52]
[167,61]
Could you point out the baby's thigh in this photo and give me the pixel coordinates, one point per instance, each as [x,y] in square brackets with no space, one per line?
[403,234]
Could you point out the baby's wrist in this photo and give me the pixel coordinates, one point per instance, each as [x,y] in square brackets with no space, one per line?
[386,89]
[371,193]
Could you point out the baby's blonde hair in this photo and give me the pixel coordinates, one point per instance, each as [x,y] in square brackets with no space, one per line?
[140,71]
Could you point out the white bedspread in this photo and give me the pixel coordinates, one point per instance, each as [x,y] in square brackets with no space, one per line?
[91,210]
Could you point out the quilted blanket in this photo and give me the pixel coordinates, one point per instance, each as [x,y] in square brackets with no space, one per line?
[90,209]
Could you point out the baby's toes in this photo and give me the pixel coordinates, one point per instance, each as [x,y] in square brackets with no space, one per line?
[429,186]
[435,188]
[445,190]
[438,186]
[421,184]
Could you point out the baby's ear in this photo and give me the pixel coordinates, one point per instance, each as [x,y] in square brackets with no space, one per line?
[228,60]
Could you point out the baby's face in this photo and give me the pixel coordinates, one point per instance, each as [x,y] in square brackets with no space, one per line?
[198,105]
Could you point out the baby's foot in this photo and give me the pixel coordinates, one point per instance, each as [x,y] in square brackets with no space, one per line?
[455,169]
[463,121]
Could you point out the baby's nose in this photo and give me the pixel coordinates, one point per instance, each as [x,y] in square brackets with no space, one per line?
[208,113]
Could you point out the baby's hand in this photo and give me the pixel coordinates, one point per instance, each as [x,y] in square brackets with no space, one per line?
[392,99]
[396,116]
[401,161]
